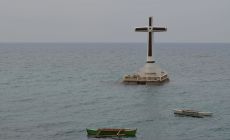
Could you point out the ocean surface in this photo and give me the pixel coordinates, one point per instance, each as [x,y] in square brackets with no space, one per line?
[51,91]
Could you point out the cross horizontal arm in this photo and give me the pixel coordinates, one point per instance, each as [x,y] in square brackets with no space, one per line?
[151,29]
[159,29]
[141,29]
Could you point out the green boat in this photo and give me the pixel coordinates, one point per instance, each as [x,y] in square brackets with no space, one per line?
[111,132]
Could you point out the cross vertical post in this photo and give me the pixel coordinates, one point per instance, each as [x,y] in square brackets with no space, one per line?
[150,57]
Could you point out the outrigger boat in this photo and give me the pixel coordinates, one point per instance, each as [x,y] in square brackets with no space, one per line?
[111,132]
[192,113]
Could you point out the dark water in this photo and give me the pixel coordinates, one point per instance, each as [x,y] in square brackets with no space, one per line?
[55,91]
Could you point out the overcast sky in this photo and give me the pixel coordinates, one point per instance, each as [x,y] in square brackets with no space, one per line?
[113,20]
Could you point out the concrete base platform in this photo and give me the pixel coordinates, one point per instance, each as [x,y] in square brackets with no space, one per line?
[150,74]
[145,82]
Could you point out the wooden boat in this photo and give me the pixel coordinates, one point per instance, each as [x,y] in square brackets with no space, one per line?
[192,113]
[111,132]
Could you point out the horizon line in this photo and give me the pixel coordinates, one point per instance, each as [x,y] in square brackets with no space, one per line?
[72,42]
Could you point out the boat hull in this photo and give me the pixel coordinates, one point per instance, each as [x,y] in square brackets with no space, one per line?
[111,132]
[192,113]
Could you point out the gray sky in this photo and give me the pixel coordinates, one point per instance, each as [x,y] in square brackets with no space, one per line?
[113,20]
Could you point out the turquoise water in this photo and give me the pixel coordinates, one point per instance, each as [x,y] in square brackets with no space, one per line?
[55,91]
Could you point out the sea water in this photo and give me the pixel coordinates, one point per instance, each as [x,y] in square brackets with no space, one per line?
[54,91]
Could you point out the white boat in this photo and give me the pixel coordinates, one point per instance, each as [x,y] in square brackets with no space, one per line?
[192,113]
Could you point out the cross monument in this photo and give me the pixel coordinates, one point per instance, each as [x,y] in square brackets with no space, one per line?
[151,73]
[150,29]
